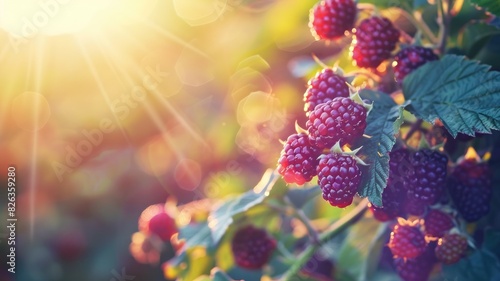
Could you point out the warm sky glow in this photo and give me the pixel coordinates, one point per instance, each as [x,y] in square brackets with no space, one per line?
[27,18]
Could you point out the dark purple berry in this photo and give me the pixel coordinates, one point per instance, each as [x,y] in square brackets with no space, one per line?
[324,87]
[298,160]
[339,177]
[331,19]
[252,247]
[374,40]
[340,119]
[409,59]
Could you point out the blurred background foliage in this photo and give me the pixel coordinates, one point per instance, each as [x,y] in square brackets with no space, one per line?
[230,75]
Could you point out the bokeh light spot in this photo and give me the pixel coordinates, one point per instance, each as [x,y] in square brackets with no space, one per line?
[199,12]
[187,174]
[193,69]
[256,108]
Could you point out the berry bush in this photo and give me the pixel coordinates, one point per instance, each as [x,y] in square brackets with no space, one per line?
[397,140]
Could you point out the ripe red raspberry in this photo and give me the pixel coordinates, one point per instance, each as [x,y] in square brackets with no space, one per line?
[470,189]
[426,179]
[252,247]
[409,59]
[341,119]
[437,223]
[407,241]
[419,268]
[155,220]
[324,87]
[298,160]
[374,40]
[339,178]
[451,248]
[330,19]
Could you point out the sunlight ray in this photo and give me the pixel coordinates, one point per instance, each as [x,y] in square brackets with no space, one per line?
[165,103]
[102,90]
[37,78]
[157,121]
[176,39]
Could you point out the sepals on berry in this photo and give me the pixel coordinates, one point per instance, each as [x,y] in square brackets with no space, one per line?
[357,98]
[338,149]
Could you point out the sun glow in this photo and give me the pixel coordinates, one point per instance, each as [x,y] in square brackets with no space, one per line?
[29,18]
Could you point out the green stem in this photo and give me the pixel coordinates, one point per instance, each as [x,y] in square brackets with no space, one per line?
[414,127]
[300,215]
[444,20]
[333,230]
[418,22]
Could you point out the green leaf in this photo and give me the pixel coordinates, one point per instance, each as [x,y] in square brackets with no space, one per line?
[196,235]
[360,253]
[382,4]
[383,121]
[419,3]
[475,35]
[492,6]
[222,216]
[482,265]
[218,275]
[492,241]
[461,93]
[300,196]
[479,266]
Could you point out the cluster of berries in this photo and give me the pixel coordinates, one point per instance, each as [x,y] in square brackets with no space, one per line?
[419,183]
[419,179]
[373,39]
[335,118]
[335,115]
[419,186]
[417,247]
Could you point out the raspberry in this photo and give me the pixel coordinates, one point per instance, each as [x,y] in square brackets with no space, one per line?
[154,220]
[437,223]
[451,248]
[374,40]
[324,87]
[409,59]
[341,119]
[399,164]
[419,268]
[393,199]
[252,247]
[339,178]
[330,19]
[426,179]
[298,160]
[470,189]
[407,241]
[414,207]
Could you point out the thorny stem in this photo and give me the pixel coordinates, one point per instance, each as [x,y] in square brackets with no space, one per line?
[328,234]
[300,215]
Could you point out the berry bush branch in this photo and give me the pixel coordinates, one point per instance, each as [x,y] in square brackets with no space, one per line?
[418,22]
[328,234]
[444,19]
[300,215]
